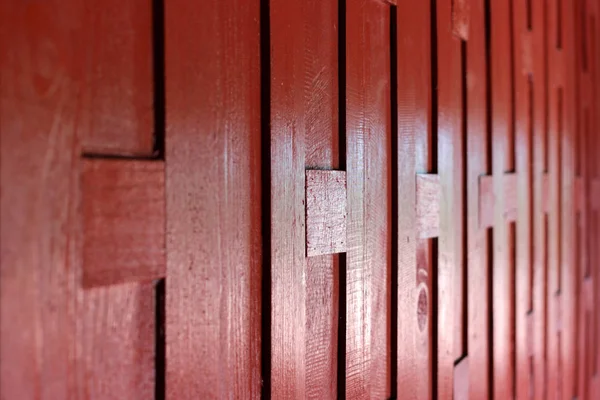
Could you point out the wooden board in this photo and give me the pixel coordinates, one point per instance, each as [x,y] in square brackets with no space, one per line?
[118,68]
[123,206]
[368,133]
[213,178]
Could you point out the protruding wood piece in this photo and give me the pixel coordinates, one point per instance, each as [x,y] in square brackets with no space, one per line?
[460,18]
[428,205]
[461,379]
[325,212]
[123,208]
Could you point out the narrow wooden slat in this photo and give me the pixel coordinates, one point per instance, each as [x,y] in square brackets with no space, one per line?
[488,199]
[522,198]
[213,204]
[118,88]
[511,195]
[461,18]
[540,196]
[461,380]
[569,270]
[123,206]
[428,205]
[450,318]
[503,295]
[116,328]
[415,320]
[368,269]
[546,200]
[580,197]
[321,98]
[478,271]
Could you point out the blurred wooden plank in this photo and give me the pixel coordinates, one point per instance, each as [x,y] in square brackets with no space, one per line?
[450,267]
[118,89]
[116,333]
[503,161]
[38,174]
[461,18]
[488,199]
[325,212]
[368,268]
[428,205]
[415,154]
[213,185]
[123,206]
[478,165]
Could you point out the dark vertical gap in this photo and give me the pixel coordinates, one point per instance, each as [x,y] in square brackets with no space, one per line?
[488,84]
[434,320]
[490,314]
[546,291]
[159,344]
[158,72]
[530,95]
[265,126]
[341,362]
[584,37]
[394,197]
[465,160]
[558,24]
[531,378]
[546,85]
[434,87]
[529,16]
[158,76]
[511,162]
[559,112]
[559,368]
[513,304]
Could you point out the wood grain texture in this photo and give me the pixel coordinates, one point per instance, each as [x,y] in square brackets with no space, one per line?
[478,263]
[213,184]
[428,205]
[123,206]
[415,296]
[368,138]
[118,81]
[325,212]
[321,98]
[503,289]
[116,327]
[450,136]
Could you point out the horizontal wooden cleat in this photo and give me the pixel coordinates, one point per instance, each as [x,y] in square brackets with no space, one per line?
[123,210]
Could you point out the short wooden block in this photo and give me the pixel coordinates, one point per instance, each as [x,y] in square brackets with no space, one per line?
[461,379]
[579,194]
[460,19]
[530,321]
[487,199]
[326,213]
[123,209]
[527,52]
[588,293]
[428,194]
[546,193]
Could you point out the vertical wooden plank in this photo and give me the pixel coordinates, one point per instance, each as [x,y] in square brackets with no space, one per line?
[115,327]
[322,152]
[540,131]
[478,263]
[501,131]
[39,86]
[567,197]
[523,126]
[449,166]
[118,79]
[368,269]
[415,296]
[213,200]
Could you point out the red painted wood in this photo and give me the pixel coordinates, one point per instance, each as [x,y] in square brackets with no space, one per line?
[123,206]
[415,301]
[502,161]
[450,317]
[428,205]
[368,133]
[213,203]
[478,164]
[118,89]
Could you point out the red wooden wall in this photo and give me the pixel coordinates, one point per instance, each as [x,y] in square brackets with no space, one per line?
[299,199]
